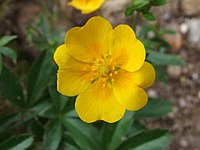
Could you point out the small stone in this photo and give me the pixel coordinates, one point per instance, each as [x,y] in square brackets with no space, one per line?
[182,103]
[194,32]
[183,143]
[152,93]
[174,71]
[195,76]
[175,40]
[190,7]
[184,28]
[183,80]
[198,95]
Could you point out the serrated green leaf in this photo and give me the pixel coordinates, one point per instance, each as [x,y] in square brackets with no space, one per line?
[159,58]
[158,2]
[155,108]
[7,51]
[84,135]
[149,16]
[39,77]
[21,142]
[121,130]
[6,39]
[10,88]
[152,140]
[53,136]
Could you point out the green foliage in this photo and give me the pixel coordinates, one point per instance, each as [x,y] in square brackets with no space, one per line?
[144,6]
[11,89]
[7,51]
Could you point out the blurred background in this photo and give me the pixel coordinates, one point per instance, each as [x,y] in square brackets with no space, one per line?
[182,83]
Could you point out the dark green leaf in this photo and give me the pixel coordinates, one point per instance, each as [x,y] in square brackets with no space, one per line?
[68,146]
[21,142]
[7,51]
[84,135]
[161,74]
[10,88]
[5,39]
[135,129]
[1,63]
[155,108]
[159,58]
[7,121]
[121,130]
[59,101]
[152,140]
[149,16]
[39,77]
[158,2]
[53,136]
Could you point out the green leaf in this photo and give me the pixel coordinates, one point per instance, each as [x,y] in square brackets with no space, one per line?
[59,101]
[121,130]
[10,88]
[136,4]
[159,58]
[158,2]
[152,140]
[21,142]
[7,121]
[155,108]
[135,129]
[7,51]
[84,135]
[149,16]
[5,39]
[1,63]
[39,77]
[53,136]
[68,146]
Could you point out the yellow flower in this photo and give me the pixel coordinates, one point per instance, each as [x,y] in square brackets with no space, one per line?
[86,6]
[106,68]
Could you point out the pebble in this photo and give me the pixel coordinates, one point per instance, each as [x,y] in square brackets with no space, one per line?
[182,103]
[152,93]
[198,95]
[194,32]
[184,28]
[190,7]
[195,76]
[183,143]
[174,71]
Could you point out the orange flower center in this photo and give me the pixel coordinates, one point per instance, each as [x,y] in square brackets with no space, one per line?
[104,70]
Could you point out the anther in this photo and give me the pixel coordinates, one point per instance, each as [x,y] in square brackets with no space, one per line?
[115,72]
[103,85]
[110,74]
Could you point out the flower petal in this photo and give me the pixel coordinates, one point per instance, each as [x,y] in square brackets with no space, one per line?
[128,94]
[73,76]
[98,103]
[71,82]
[127,53]
[145,76]
[91,42]
[86,6]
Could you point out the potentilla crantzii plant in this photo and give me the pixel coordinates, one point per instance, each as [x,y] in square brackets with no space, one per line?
[106,68]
